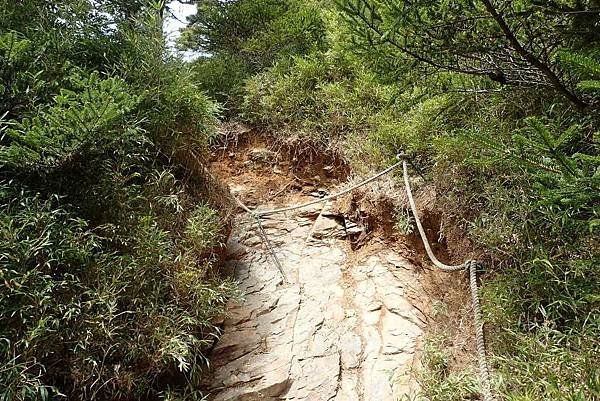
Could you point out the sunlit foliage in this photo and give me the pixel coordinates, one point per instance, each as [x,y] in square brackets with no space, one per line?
[107,263]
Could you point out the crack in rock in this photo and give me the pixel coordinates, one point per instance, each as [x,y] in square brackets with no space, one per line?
[344,328]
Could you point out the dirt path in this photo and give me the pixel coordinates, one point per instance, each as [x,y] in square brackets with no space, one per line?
[344,325]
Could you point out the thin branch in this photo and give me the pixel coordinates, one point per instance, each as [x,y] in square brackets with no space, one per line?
[534,61]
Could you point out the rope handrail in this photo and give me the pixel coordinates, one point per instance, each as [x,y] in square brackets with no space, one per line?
[413,207]
[470,265]
[263,237]
[329,197]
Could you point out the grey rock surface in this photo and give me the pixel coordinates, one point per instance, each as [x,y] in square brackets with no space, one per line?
[342,328]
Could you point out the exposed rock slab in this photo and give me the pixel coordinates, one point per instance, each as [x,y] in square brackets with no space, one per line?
[342,328]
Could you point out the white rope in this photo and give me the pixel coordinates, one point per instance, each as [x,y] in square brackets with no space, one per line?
[484,371]
[413,206]
[329,197]
[471,265]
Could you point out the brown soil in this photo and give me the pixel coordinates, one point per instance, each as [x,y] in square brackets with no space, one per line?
[276,176]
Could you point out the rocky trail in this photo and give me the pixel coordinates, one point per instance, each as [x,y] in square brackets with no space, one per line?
[345,323]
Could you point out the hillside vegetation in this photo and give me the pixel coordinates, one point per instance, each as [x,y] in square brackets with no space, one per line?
[496,101]
[107,242]
[110,231]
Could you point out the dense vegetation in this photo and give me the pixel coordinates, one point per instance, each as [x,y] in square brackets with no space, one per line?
[109,227]
[497,101]
[107,239]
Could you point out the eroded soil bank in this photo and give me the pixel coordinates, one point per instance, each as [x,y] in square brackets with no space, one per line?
[343,322]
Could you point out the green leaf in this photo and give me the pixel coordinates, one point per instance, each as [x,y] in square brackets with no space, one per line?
[591,85]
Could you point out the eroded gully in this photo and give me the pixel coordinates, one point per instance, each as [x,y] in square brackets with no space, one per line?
[344,325]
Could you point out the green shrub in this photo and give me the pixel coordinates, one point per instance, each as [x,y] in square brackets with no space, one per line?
[104,313]
[319,99]
[81,121]
[243,37]
[437,382]
[203,230]
[222,77]
[534,189]
[110,282]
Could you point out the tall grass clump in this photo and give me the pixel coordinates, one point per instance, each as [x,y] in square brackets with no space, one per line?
[319,102]
[438,382]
